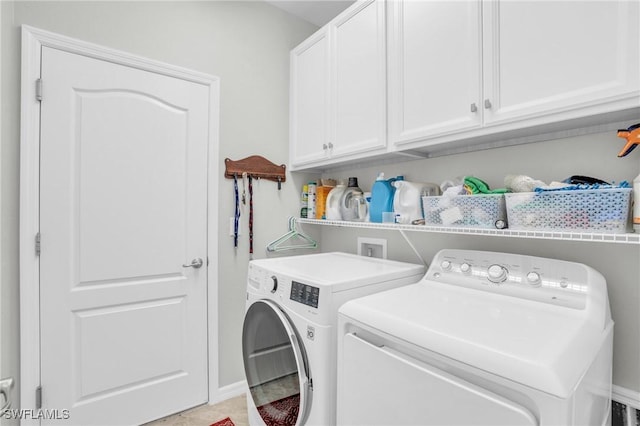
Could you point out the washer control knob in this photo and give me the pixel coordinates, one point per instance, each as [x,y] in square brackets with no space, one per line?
[497,273]
[533,278]
[465,268]
[445,265]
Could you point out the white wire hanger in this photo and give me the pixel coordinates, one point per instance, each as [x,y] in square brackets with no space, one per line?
[293,235]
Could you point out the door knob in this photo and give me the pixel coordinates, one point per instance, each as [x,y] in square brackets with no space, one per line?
[195,263]
[5,389]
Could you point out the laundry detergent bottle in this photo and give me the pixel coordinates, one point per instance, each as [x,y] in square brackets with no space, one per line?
[353,206]
[333,202]
[407,200]
[382,193]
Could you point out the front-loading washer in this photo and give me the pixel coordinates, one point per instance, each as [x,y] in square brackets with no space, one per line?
[289,332]
[484,339]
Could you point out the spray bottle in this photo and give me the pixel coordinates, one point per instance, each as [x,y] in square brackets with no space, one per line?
[632,136]
[636,204]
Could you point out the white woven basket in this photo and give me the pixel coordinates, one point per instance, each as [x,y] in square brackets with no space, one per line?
[599,210]
[468,211]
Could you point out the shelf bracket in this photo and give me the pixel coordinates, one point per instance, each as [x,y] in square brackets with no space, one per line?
[415,250]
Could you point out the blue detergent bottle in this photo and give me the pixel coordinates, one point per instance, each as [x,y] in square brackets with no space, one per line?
[381,198]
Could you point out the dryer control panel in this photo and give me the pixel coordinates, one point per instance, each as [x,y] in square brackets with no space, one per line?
[539,279]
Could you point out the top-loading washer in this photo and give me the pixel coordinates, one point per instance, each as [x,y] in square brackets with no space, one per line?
[484,339]
[289,333]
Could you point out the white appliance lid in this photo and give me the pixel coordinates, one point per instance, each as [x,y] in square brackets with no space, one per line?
[340,270]
[540,345]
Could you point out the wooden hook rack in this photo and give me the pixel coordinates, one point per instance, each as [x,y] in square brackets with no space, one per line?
[257,167]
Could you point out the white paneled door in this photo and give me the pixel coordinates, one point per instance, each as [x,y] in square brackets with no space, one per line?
[123,224]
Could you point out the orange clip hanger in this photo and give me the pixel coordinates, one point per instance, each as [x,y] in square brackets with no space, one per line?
[632,135]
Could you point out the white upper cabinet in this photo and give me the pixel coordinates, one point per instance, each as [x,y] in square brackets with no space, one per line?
[461,69]
[460,74]
[359,79]
[547,57]
[434,68]
[309,99]
[338,89]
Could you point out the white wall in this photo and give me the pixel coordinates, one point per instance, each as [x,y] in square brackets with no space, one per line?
[592,155]
[244,43]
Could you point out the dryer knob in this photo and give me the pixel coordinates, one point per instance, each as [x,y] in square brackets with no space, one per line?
[496,273]
[275,284]
[533,278]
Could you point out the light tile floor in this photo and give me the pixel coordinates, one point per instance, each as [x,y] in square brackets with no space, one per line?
[276,389]
[204,415]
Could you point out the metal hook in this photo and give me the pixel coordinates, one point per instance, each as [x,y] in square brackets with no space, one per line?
[244,188]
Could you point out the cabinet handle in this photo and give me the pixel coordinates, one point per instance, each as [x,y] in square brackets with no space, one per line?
[324,146]
[487,104]
[330,145]
[474,107]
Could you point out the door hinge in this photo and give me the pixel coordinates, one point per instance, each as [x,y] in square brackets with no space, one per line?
[39,89]
[39,397]
[38,244]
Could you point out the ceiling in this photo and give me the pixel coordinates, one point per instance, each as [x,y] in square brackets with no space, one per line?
[318,12]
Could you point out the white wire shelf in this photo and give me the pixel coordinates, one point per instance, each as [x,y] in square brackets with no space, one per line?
[628,238]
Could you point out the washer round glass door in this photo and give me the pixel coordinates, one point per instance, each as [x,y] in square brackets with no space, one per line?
[275,365]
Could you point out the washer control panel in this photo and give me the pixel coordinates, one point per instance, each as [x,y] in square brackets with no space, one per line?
[279,287]
[305,294]
[551,281]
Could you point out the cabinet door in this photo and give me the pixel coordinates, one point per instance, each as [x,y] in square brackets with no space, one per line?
[434,68]
[547,57]
[358,117]
[309,99]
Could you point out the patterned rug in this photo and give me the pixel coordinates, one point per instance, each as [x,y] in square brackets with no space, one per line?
[283,412]
[223,422]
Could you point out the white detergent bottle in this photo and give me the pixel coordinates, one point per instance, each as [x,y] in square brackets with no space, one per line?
[407,200]
[333,202]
